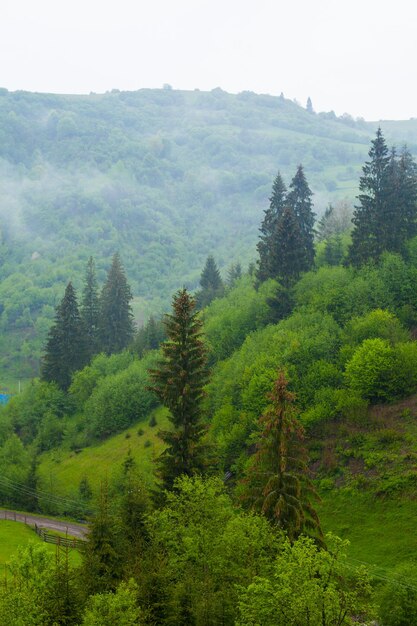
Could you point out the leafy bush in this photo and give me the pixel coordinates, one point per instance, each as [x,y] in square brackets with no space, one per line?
[378,323]
[330,403]
[309,585]
[39,400]
[120,399]
[380,372]
[85,380]
[229,320]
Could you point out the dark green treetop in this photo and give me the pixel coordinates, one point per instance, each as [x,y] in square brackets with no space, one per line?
[289,256]
[66,348]
[407,195]
[116,328]
[234,272]
[210,282]
[179,381]
[267,244]
[370,217]
[300,200]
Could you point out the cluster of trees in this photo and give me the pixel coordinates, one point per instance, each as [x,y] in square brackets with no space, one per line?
[384,220]
[386,216]
[102,324]
[286,245]
[197,560]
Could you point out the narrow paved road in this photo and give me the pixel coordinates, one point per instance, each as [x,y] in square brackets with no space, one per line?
[74,530]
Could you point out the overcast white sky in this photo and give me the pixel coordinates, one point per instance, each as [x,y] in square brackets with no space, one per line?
[358,56]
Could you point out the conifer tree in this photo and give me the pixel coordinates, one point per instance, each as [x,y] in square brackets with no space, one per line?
[210,282]
[116,327]
[267,244]
[333,251]
[66,347]
[289,255]
[387,212]
[277,483]
[300,200]
[407,196]
[179,381]
[102,556]
[370,215]
[149,337]
[233,274]
[90,307]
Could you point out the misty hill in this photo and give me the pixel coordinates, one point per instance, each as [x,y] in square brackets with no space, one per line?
[166,177]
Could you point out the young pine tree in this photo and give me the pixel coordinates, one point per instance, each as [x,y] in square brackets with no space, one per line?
[179,381]
[66,347]
[116,328]
[277,483]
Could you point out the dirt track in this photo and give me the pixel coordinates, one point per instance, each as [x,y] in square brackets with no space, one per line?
[73,529]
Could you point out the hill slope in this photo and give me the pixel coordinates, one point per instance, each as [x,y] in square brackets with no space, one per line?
[166,177]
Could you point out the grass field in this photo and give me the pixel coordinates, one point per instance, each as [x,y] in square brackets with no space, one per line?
[381,531]
[16,534]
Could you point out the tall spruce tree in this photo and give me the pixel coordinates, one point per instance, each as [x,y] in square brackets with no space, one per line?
[267,244]
[210,282]
[66,348]
[300,200]
[289,255]
[370,217]
[277,482]
[90,307]
[179,381]
[116,328]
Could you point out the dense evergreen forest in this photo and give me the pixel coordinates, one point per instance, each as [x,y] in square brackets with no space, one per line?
[165,177]
[213,450]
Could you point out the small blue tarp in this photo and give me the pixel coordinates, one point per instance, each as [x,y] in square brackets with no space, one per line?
[4,398]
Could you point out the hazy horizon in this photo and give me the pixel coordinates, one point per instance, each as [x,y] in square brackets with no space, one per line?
[356,58]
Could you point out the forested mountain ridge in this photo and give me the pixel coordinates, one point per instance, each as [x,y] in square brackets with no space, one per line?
[166,177]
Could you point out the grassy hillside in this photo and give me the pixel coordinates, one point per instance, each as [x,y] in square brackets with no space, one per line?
[366,473]
[366,488]
[60,472]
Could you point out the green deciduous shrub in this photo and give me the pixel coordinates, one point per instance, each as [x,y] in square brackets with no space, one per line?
[120,399]
[381,372]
